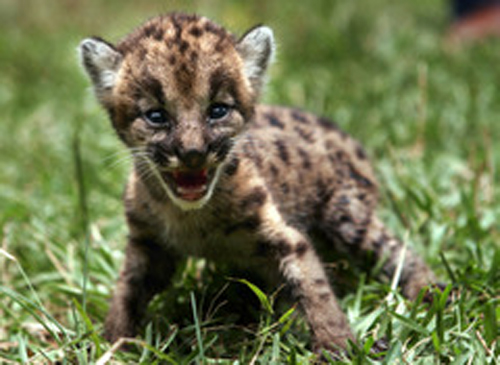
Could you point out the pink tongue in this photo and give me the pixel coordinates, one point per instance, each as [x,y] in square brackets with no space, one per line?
[190,179]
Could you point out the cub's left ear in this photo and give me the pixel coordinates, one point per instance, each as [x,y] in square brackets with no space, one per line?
[256,48]
[101,61]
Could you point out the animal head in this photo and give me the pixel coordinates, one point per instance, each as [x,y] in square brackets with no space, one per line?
[179,90]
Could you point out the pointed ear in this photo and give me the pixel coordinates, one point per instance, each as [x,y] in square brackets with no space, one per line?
[101,61]
[256,48]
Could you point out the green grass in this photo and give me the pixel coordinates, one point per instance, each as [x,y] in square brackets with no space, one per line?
[427,113]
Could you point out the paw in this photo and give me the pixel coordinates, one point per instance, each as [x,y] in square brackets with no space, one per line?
[336,349]
[377,352]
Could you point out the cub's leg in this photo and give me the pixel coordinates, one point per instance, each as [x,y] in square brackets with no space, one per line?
[352,225]
[415,274]
[303,272]
[147,270]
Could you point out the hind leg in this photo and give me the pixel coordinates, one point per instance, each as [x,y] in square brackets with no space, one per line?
[350,223]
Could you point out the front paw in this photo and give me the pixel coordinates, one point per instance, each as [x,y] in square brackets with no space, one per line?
[117,327]
[333,347]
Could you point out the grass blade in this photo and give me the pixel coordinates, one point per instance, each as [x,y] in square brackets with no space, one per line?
[409,323]
[197,328]
[32,309]
[263,299]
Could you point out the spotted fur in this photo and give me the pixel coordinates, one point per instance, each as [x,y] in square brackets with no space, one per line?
[216,175]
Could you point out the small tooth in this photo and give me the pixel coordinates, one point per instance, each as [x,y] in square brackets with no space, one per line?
[197,190]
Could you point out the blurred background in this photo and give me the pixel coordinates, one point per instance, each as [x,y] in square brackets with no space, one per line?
[425,105]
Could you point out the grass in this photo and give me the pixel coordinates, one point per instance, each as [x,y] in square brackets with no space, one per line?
[427,113]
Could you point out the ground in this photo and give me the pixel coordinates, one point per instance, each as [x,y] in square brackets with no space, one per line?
[426,110]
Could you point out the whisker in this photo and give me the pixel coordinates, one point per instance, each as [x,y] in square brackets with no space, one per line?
[157,174]
[123,152]
[129,158]
[120,162]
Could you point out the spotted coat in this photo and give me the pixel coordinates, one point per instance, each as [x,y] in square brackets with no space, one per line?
[217,175]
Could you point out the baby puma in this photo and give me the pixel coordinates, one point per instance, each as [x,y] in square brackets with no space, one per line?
[218,176]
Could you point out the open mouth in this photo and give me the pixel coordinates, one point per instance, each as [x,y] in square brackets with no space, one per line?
[189,185]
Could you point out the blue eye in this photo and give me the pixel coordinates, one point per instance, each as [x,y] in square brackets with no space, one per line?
[218,111]
[157,117]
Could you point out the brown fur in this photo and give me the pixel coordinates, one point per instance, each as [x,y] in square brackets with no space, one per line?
[283,172]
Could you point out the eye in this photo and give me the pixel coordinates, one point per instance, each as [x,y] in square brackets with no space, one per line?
[157,117]
[218,111]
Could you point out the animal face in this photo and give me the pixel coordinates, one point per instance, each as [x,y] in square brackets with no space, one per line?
[179,91]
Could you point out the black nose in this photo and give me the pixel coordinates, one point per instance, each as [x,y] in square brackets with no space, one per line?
[193,158]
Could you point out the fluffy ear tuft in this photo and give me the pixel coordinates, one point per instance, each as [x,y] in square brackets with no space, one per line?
[256,48]
[101,61]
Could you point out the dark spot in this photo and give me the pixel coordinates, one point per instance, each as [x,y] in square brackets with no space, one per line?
[356,175]
[336,324]
[160,152]
[158,34]
[301,248]
[320,282]
[196,31]
[152,31]
[254,200]
[325,191]
[221,147]
[219,46]
[359,236]
[232,166]
[360,153]
[299,117]
[332,158]
[214,29]
[283,248]
[345,219]
[340,155]
[282,151]
[361,197]
[153,86]
[172,60]
[250,224]
[305,135]
[325,297]
[193,57]
[183,46]
[328,124]
[178,28]
[184,78]
[279,248]
[142,52]
[306,160]
[274,170]
[250,152]
[159,158]
[170,43]
[218,79]
[275,122]
[329,144]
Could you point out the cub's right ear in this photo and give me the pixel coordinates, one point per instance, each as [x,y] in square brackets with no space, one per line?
[102,62]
